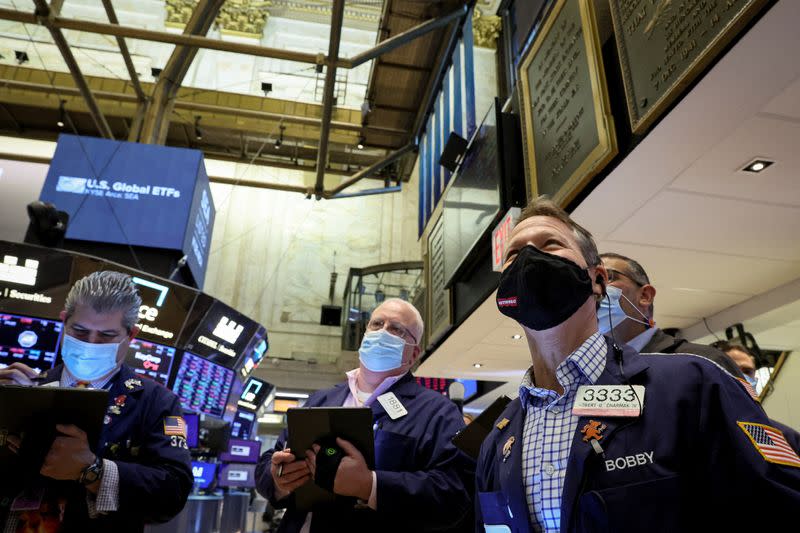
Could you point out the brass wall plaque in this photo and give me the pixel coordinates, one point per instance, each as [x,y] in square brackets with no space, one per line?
[566,116]
[665,44]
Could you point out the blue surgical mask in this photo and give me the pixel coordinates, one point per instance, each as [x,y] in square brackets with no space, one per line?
[88,361]
[610,315]
[381,351]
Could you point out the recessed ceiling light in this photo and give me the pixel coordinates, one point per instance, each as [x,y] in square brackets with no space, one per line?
[757,165]
[477,365]
[516,337]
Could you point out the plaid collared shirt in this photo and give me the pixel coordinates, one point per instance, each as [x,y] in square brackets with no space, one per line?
[550,428]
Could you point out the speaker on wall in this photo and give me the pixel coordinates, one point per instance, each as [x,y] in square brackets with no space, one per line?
[453,151]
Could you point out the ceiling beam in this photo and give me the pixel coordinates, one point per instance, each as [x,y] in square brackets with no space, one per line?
[43,10]
[407,36]
[370,170]
[337,17]
[126,56]
[156,119]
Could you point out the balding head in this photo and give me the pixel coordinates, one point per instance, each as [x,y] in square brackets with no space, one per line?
[408,315]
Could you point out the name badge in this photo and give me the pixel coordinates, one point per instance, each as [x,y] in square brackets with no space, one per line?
[609,400]
[392,405]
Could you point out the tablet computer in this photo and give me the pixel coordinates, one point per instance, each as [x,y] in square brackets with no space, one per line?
[307,425]
[470,438]
[32,413]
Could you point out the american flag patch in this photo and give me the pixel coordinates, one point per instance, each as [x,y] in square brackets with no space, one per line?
[175,425]
[749,388]
[770,443]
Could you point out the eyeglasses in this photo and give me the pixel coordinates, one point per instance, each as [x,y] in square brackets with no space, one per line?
[377,324]
[614,275]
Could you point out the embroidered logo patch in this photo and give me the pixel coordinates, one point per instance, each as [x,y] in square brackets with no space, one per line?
[770,443]
[175,426]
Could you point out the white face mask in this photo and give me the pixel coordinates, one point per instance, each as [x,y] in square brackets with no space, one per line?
[88,361]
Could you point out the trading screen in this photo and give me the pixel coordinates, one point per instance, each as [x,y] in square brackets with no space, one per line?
[32,341]
[203,386]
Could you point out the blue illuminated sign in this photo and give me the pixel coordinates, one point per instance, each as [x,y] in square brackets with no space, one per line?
[130,193]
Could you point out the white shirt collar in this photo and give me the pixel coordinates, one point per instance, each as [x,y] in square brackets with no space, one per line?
[641,340]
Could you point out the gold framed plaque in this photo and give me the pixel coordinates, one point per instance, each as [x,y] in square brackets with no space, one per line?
[568,131]
[664,45]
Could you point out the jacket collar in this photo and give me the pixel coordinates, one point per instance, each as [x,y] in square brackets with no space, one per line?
[509,470]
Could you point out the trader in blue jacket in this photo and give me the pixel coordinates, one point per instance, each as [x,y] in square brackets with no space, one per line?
[420,482]
[603,439]
[140,470]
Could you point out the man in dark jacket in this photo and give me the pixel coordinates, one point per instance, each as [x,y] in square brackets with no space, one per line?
[421,482]
[140,470]
[627,312]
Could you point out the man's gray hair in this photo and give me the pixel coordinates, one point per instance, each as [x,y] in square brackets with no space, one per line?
[418,322]
[106,291]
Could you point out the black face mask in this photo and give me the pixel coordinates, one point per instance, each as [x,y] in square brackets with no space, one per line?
[541,290]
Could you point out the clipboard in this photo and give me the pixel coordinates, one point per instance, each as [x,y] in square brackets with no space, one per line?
[469,439]
[307,425]
[32,414]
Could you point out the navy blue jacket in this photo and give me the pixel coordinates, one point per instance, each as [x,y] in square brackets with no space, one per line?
[155,474]
[424,482]
[706,474]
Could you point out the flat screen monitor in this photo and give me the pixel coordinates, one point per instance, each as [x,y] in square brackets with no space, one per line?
[255,393]
[202,386]
[472,201]
[242,451]
[150,360]
[242,425]
[34,281]
[133,194]
[213,435]
[223,335]
[237,475]
[204,474]
[32,341]
[255,353]
[192,427]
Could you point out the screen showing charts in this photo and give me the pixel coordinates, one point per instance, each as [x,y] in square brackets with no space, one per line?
[150,359]
[202,386]
[242,425]
[237,475]
[32,341]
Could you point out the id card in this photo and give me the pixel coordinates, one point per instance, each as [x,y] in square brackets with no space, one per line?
[609,400]
[392,405]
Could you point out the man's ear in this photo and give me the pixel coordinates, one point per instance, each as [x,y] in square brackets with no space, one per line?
[134,331]
[647,294]
[63,315]
[599,281]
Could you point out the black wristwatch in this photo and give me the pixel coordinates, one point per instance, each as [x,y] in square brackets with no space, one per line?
[92,473]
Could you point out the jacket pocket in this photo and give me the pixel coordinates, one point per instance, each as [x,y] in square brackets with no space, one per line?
[394,452]
[653,506]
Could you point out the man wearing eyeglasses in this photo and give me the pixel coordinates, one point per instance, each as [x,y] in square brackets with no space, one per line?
[627,312]
[421,482]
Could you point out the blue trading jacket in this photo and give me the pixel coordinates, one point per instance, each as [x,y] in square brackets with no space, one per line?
[424,482]
[155,474]
[683,465]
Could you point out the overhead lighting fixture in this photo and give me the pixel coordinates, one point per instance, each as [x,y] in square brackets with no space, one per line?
[266,88]
[279,140]
[516,337]
[477,365]
[287,394]
[361,141]
[198,135]
[62,115]
[21,57]
[757,165]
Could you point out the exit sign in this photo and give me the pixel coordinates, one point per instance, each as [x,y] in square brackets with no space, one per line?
[500,236]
